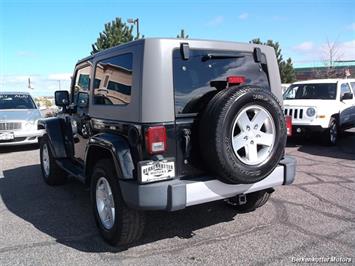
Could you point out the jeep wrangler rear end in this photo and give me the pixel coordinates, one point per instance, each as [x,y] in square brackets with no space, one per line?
[163,124]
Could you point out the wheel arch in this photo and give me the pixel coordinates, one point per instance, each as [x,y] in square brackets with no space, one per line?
[55,134]
[113,147]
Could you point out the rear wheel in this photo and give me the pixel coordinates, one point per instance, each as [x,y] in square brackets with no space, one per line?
[118,224]
[52,174]
[242,134]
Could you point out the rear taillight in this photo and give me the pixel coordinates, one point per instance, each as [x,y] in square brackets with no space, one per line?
[288,120]
[155,139]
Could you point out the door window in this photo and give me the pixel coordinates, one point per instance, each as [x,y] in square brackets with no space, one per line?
[81,86]
[353,86]
[345,88]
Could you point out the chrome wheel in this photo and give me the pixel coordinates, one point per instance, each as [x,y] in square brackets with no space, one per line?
[253,135]
[45,160]
[333,133]
[105,203]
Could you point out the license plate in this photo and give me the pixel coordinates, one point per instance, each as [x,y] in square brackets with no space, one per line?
[7,136]
[150,171]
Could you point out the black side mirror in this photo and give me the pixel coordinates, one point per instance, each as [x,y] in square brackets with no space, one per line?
[347,96]
[61,98]
[83,100]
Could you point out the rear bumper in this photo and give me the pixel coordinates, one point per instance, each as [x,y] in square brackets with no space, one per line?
[23,137]
[177,194]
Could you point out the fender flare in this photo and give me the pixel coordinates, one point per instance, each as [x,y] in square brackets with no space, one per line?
[119,150]
[54,130]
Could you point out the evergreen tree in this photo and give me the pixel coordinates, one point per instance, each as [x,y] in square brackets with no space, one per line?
[182,35]
[287,71]
[116,32]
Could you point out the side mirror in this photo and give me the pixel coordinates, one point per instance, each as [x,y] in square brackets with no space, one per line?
[347,96]
[83,100]
[61,98]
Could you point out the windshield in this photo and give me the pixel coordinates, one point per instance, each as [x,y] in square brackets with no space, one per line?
[322,91]
[16,101]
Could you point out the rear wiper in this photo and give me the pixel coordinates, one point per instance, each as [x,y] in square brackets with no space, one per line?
[219,56]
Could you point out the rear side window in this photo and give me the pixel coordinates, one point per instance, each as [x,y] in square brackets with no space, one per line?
[192,77]
[113,80]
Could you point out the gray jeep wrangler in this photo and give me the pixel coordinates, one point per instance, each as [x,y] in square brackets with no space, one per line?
[163,124]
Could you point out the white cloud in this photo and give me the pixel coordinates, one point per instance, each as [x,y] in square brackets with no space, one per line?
[25,54]
[216,21]
[304,47]
[243,16]
[60,76]
[310,51]
[42,85]
[351,26]
[279,18]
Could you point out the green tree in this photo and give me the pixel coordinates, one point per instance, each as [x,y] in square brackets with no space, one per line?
[47,103]
[287,71]
[182,35]
[116,32]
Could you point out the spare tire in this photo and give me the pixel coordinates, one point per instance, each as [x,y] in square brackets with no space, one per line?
[242,134]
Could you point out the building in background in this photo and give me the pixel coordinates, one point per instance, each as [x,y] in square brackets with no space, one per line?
[340,69]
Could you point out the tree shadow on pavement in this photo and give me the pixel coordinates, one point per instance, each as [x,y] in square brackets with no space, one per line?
[345,148]
[64,212]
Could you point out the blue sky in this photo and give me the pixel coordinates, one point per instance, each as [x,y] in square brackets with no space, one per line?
[43,39]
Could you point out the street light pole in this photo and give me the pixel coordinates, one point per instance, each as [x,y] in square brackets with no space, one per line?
[136,22]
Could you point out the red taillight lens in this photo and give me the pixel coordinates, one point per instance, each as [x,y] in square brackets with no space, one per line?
[235,80]
[155,139]
[288,120]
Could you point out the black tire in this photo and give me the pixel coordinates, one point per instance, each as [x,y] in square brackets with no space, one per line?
[254,200]
[330,135]
[128,224]
[215,131]
[53,175]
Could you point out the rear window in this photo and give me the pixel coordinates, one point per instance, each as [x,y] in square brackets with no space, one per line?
[192,77]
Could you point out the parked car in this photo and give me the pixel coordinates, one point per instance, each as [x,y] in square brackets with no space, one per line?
[164,124]
[18,119]
[323,107]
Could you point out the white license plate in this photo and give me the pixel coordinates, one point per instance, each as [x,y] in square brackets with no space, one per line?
[150,171]
[7,136]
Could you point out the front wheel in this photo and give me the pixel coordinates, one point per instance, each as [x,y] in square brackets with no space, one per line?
[52,174]
[118,224]
[330,136]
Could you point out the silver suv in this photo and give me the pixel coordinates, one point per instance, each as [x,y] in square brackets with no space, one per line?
[164,124]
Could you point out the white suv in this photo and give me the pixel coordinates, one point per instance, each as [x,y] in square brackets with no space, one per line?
[324,106]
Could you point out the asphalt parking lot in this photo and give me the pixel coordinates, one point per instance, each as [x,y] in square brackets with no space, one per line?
[315,217]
